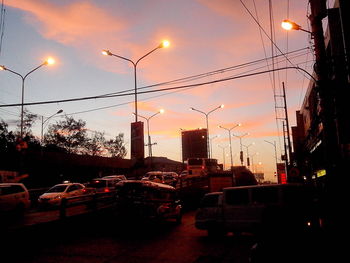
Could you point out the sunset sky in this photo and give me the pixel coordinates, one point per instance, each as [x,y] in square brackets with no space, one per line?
[209,40]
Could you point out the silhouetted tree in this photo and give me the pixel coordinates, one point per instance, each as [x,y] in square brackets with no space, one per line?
[69,134]
[116,147]
[96,145]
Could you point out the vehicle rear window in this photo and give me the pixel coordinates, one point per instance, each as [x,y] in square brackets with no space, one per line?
[265,195]
[195,161]
[97,184]
[237,197]
[210,201]
[297,195]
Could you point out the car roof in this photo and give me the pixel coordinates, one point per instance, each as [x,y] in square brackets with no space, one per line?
[9,184]
[146,183]
[66,184]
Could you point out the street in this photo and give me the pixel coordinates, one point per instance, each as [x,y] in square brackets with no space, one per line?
[101,238]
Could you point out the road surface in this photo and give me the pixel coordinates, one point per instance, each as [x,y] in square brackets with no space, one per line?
[101,238]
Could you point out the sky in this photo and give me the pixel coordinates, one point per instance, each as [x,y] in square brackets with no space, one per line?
[210,41]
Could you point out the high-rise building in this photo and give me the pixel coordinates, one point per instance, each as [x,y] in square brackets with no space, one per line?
[194,144]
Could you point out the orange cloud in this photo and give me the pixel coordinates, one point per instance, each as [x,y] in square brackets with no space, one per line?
[71,23]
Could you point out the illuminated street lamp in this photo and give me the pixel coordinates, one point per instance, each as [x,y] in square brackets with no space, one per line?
[45,120]
[164,44]
[240,143]
[229,136]
[289,25]
[149,137]
[207,121]
[49,61]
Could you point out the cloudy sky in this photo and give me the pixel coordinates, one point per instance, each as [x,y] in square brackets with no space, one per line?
[211,41]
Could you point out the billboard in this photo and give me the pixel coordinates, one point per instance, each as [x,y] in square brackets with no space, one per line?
[194,144]
[137,141]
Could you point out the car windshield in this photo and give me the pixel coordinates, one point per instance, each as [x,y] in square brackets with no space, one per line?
[57,189]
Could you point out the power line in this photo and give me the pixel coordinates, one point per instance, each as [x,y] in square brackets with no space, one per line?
[164,89]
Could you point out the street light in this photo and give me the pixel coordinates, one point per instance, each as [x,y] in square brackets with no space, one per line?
[240,143]
[251,156]
[274,145]
[48,61]
[148,133]
[247,147]
[211,143]
[289,25]
[223,155]
[229,136]
[45,120]
[164,44]
[207,121]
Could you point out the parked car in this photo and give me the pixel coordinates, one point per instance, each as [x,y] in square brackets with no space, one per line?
[257,208]
[54,196]
[103,185]
[169,178]
[14,197]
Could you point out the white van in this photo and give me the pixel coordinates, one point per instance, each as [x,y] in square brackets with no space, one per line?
[249,208]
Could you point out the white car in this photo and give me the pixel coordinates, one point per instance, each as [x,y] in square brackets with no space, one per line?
[54,196]
[14,197]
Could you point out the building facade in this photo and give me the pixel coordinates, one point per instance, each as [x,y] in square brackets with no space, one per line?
[309,137]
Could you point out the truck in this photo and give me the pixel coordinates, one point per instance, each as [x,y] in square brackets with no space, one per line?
[257,207]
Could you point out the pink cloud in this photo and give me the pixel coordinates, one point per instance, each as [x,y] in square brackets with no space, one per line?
[71,23]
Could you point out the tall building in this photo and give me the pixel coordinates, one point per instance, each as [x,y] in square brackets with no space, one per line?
[194,144]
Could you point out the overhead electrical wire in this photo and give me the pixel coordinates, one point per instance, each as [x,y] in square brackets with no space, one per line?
[130,91]
[164,89]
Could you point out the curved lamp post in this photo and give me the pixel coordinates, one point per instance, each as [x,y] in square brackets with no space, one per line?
[289,25]
[45,120]
[49,61]
[223,155]
[207,121]
[247,148]
[229,136]
[148,133]
[240,143]
[211,143]
[274,146]
[164,44]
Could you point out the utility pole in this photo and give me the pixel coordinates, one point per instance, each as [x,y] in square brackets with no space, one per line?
[286,131]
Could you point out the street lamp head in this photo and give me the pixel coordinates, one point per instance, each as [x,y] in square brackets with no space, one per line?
[161,111]
[2,67]
[165,43]
[106,53]
[222,106]
[60,111]
[49,61]
[239,124]
[289,25]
